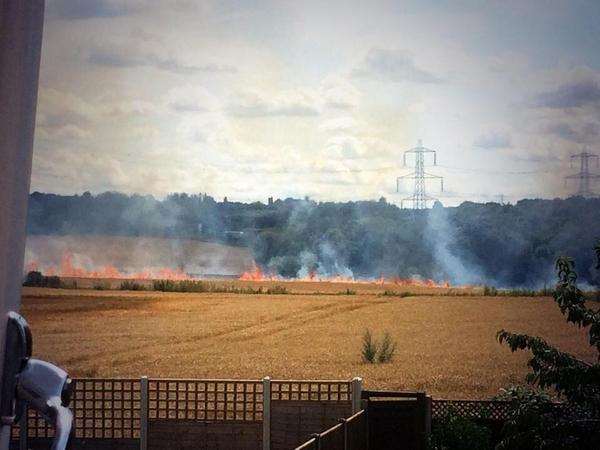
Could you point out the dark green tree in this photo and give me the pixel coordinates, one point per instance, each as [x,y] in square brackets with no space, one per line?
[537,423]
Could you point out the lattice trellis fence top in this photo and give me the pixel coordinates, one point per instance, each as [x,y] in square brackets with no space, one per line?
[472,409]
[327,391]
[112,408]
[205,400]
[102,408]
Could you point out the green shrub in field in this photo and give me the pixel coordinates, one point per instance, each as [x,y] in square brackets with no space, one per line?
[375,352]
[68,284]
[164,285]
[369,347]
[387,349]
[100,286]
[490,291]
[203,286]
[388,293]
[454,432]
[34,278]
[37,279]
[277,290]
[494,292]
[129,285]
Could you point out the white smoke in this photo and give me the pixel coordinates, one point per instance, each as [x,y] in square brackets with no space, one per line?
[440,237]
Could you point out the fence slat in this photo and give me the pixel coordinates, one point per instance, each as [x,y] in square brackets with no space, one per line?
[144,413]
[266,417]
[23,430]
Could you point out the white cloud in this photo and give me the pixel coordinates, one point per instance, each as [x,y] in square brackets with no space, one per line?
[493,140]
[339,93]
[343,123]
[284,99]
[394,66]
[290,103]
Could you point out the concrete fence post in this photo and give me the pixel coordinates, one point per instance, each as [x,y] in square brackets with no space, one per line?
[356,394]
[144,413]
[266,413]
[24,428]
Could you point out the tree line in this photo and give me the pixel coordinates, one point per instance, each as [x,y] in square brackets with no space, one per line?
[503,244]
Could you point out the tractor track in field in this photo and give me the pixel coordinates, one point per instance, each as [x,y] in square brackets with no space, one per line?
[246,332]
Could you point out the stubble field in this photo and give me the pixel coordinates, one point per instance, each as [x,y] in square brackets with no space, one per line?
[445,344]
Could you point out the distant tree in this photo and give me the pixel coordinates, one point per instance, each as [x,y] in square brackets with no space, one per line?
[536,423]
[37,279]
[508,246]
[34,278]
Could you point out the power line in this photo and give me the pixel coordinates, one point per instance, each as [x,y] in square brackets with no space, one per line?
[419,198]
[584,176]
[496,172]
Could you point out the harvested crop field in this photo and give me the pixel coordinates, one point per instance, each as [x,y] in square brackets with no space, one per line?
[445,344]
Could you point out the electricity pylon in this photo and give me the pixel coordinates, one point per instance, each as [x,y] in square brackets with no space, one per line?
[419,198]
[584,176]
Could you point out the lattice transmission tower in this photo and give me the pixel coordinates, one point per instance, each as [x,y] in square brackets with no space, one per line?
[584,176]
[419,198]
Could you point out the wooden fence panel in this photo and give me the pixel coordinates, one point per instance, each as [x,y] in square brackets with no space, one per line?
[205,414]
[351,433]
[82,444]
[301,408]
[357,432]
[333,438]
[199,435]
[108,412]
[397,417]
[292,422]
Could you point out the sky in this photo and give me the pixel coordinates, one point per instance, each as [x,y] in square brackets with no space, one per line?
[250,99]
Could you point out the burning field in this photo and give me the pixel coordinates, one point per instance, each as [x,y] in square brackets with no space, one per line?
[445,337]
[129,257]
[117,258]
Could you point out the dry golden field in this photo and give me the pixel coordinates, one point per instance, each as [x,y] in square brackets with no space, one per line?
[446,344]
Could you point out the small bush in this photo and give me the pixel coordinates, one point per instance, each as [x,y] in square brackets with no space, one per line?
[375,352]
[490,291]
[387,349]
[388,293]
[68,284]
[37,279]
[369,347]
[349,292]
[454,432]
[34,278]
[204,286]
[277,290]
[129,285]
[101,286]
[164,285]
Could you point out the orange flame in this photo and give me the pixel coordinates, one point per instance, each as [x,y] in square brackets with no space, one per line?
[256,274]
[68,268]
